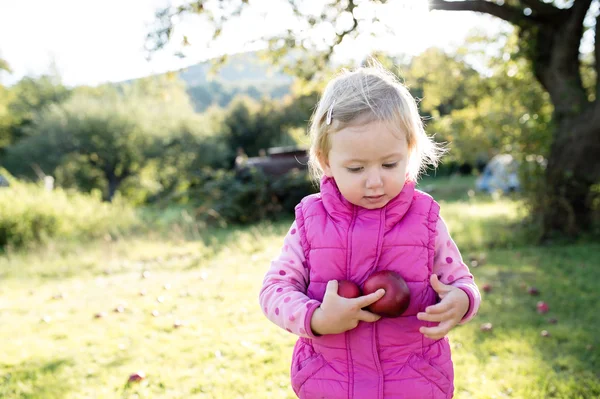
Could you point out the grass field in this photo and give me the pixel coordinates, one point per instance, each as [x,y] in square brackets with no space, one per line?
[76,320]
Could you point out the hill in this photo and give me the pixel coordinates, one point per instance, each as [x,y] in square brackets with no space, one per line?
[242,73]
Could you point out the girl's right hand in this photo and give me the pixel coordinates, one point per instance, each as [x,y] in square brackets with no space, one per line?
[338,314]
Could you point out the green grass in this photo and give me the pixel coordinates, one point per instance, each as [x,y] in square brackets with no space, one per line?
[54,347]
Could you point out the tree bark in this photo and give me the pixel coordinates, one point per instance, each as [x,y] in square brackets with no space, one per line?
[573,168]
[573,163]
[113,185]
[114,181]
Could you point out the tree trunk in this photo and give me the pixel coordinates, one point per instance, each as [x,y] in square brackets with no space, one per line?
[573,167]
[113,185]
[572,170]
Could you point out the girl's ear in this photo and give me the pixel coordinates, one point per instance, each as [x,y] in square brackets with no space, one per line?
[324,163]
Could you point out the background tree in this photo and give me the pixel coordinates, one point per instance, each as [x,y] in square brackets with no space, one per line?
[31,96]
[505,111]
[6,97]
[549,38]
[254,125]
[102,137]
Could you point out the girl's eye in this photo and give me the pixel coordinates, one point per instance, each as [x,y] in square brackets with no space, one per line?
[354,170]
[390,165]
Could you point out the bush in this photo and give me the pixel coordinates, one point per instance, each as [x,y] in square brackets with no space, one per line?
[292,187]
[249,196]
[29,214]
[237,198]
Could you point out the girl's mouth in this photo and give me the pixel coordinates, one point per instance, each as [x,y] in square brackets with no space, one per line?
[374,198]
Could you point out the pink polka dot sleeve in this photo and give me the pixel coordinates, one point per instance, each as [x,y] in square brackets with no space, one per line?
[283,295]
[450,269]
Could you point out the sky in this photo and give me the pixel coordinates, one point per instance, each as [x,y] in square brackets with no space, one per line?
[89,42]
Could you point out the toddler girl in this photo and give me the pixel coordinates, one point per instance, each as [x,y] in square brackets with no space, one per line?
[368,147]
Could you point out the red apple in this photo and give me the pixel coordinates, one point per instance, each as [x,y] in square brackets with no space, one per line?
[137,377]
[487,287]
[348,289]
[533,291]
[542,307]
[397,295]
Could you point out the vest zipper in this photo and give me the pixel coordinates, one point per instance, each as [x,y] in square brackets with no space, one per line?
[347,337]
[375,340]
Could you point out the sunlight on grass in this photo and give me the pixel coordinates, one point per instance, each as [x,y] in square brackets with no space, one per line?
[480,224]
[185,312]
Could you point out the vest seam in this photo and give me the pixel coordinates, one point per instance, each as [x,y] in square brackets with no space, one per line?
[386,246]
[408,281]
[405,245]
[375,347]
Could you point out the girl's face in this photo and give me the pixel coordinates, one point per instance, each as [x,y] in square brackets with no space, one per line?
[368,163]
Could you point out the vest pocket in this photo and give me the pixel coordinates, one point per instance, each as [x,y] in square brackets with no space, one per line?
[301,372]
[430,373]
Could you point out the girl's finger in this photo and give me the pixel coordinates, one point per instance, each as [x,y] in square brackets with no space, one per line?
[367,316]
[441,307]
[332,287]
[366,300]
[437,317]
[436,332]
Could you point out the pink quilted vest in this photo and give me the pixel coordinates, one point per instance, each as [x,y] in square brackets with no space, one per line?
[390,358]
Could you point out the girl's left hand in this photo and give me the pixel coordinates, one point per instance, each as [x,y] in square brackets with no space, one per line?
[448,312]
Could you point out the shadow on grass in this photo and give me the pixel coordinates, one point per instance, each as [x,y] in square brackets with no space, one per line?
[29,380]
[566,277]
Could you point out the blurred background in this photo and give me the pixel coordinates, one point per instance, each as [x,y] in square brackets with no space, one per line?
[152,153]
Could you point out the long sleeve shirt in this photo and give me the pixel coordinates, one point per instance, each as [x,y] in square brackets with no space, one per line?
[283,295]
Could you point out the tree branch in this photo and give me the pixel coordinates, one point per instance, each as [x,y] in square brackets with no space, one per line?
[546,12]
[340,36]
[507,13]
[568,53]
[597,59]
[537,5]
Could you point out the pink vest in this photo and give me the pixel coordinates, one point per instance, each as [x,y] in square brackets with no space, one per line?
[389,358]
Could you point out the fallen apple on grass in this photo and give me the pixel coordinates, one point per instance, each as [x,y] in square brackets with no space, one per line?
[137,377]
[348,289]
[396,299]
[542,307]
[178,324]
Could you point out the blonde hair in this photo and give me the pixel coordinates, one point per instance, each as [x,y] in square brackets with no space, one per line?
[365,95]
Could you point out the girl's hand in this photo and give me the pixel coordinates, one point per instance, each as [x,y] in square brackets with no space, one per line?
[338,314]
[448,312]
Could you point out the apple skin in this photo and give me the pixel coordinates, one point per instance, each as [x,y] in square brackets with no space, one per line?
[397,295]
[348,289]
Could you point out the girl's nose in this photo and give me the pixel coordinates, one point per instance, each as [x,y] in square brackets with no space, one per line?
[374,180]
